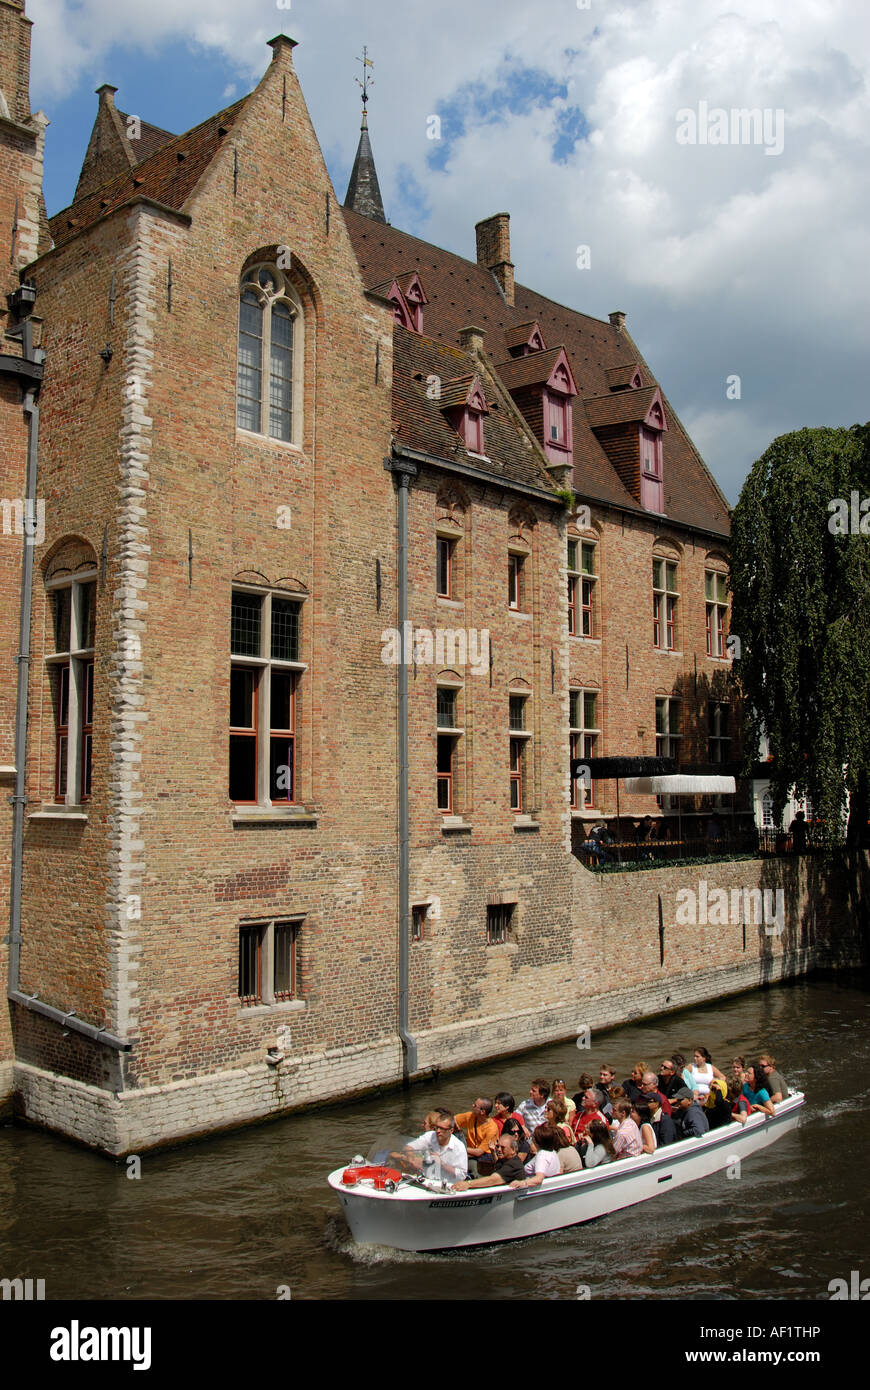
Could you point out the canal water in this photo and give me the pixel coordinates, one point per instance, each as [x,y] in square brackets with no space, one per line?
[240,1216]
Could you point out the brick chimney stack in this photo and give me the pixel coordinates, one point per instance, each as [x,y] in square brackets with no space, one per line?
[494,250]
[471,339]
[617,318]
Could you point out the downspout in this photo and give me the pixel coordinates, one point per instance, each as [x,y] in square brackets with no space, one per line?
[18,799]
[404,471]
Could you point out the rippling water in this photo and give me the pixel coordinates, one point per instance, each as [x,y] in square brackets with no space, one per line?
[238,1216]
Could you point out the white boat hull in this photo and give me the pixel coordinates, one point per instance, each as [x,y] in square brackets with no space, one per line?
[413,1218]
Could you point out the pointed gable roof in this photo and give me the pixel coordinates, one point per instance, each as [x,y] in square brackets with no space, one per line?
[525,335]
[110,150]
[363,190]
[168,176]
[624,377]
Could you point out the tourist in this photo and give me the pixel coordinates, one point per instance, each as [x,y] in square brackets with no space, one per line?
[670,1078]
[557,1116]
[504,1105]
[681,1068]
[755,1091]
[545,1163]
[774,1082]
[559,1091]
[524,1144]
[597,1145]
[738,1067]
[590,1110]
[663,1125]
[649,1087]
[642,1116]
[438,1153]
[508,1167]
[481,1132]
[583,1084]
[532,1112]
[717,1106]
[616,1093]
[702,1073]
[689,1114]
[606,1078]
[632,1085]
[627,1141]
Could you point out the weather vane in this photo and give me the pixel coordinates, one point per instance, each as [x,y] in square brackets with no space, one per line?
[366,80]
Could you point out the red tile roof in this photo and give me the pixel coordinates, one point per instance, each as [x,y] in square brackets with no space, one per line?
[532,370]
[462,292]
[163,176]
[420,422]
[621,376]
[151,138]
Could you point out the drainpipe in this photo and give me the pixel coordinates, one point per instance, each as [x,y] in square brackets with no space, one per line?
[404,472]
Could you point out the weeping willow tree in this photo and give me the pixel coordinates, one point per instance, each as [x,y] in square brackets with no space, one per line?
[801,609]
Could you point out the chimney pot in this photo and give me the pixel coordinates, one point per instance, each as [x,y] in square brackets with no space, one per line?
[281,44]
[617,318]
[106,93]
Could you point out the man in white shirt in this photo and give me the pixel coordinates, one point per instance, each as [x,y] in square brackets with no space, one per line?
[438,1153]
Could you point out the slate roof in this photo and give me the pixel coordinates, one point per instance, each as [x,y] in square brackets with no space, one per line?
[420,422]
[163,176]
[462,293]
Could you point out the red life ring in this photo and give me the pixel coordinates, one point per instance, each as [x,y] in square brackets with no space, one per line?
[379,1176]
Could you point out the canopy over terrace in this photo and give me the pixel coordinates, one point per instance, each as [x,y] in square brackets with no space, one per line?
[652,777]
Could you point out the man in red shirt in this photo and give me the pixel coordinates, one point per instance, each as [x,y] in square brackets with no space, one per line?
[590,1104]
[649,1087]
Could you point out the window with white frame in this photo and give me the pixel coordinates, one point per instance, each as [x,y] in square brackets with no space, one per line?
[520,736]
[265,645]
[270,356]
[719,735]
[668,733]
[268,967]
[665,603]
[516,580]
[716,592]
[73,601]
[448,734]
[583,742]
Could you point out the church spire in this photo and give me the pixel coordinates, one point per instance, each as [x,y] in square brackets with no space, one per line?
[363,191]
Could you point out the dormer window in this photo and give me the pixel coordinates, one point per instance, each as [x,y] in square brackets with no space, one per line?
[465,410]
[408,298]
[524,339]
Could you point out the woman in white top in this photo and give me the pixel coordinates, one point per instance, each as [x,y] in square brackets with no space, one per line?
[545,1163]
[642,1116]
[702,1074]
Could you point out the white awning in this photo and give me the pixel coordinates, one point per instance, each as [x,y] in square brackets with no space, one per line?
[680,784]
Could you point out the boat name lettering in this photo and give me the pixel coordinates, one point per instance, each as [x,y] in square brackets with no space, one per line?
[462,1202]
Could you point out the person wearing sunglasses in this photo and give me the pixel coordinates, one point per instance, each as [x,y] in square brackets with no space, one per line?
[508,1167]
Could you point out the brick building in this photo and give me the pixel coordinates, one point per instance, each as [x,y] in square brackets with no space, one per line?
[306,485]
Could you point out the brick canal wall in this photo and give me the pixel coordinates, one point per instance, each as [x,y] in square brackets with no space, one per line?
[616,976]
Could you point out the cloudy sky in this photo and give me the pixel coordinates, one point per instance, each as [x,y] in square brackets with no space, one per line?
[743,255]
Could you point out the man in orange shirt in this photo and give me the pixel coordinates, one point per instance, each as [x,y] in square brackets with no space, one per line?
[481,1132]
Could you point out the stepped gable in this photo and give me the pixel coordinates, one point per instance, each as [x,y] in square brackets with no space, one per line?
[168,176]
[420,422]
[461,292]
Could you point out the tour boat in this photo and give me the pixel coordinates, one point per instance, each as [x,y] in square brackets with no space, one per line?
[384,1207]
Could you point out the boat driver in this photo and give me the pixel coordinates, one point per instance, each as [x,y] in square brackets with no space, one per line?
[437,1153]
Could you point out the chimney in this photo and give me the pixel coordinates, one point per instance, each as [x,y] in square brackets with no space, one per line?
[106,93]
[494,250]
[471,339]
[617,318]
[282,47]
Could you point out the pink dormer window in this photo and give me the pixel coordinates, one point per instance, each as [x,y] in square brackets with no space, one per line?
[558,414]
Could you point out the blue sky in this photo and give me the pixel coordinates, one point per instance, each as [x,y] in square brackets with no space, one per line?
[728,260]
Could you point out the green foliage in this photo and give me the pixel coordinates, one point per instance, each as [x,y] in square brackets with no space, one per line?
[801,608]
[567,497]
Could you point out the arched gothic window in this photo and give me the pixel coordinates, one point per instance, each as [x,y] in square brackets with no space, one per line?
[269,394]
